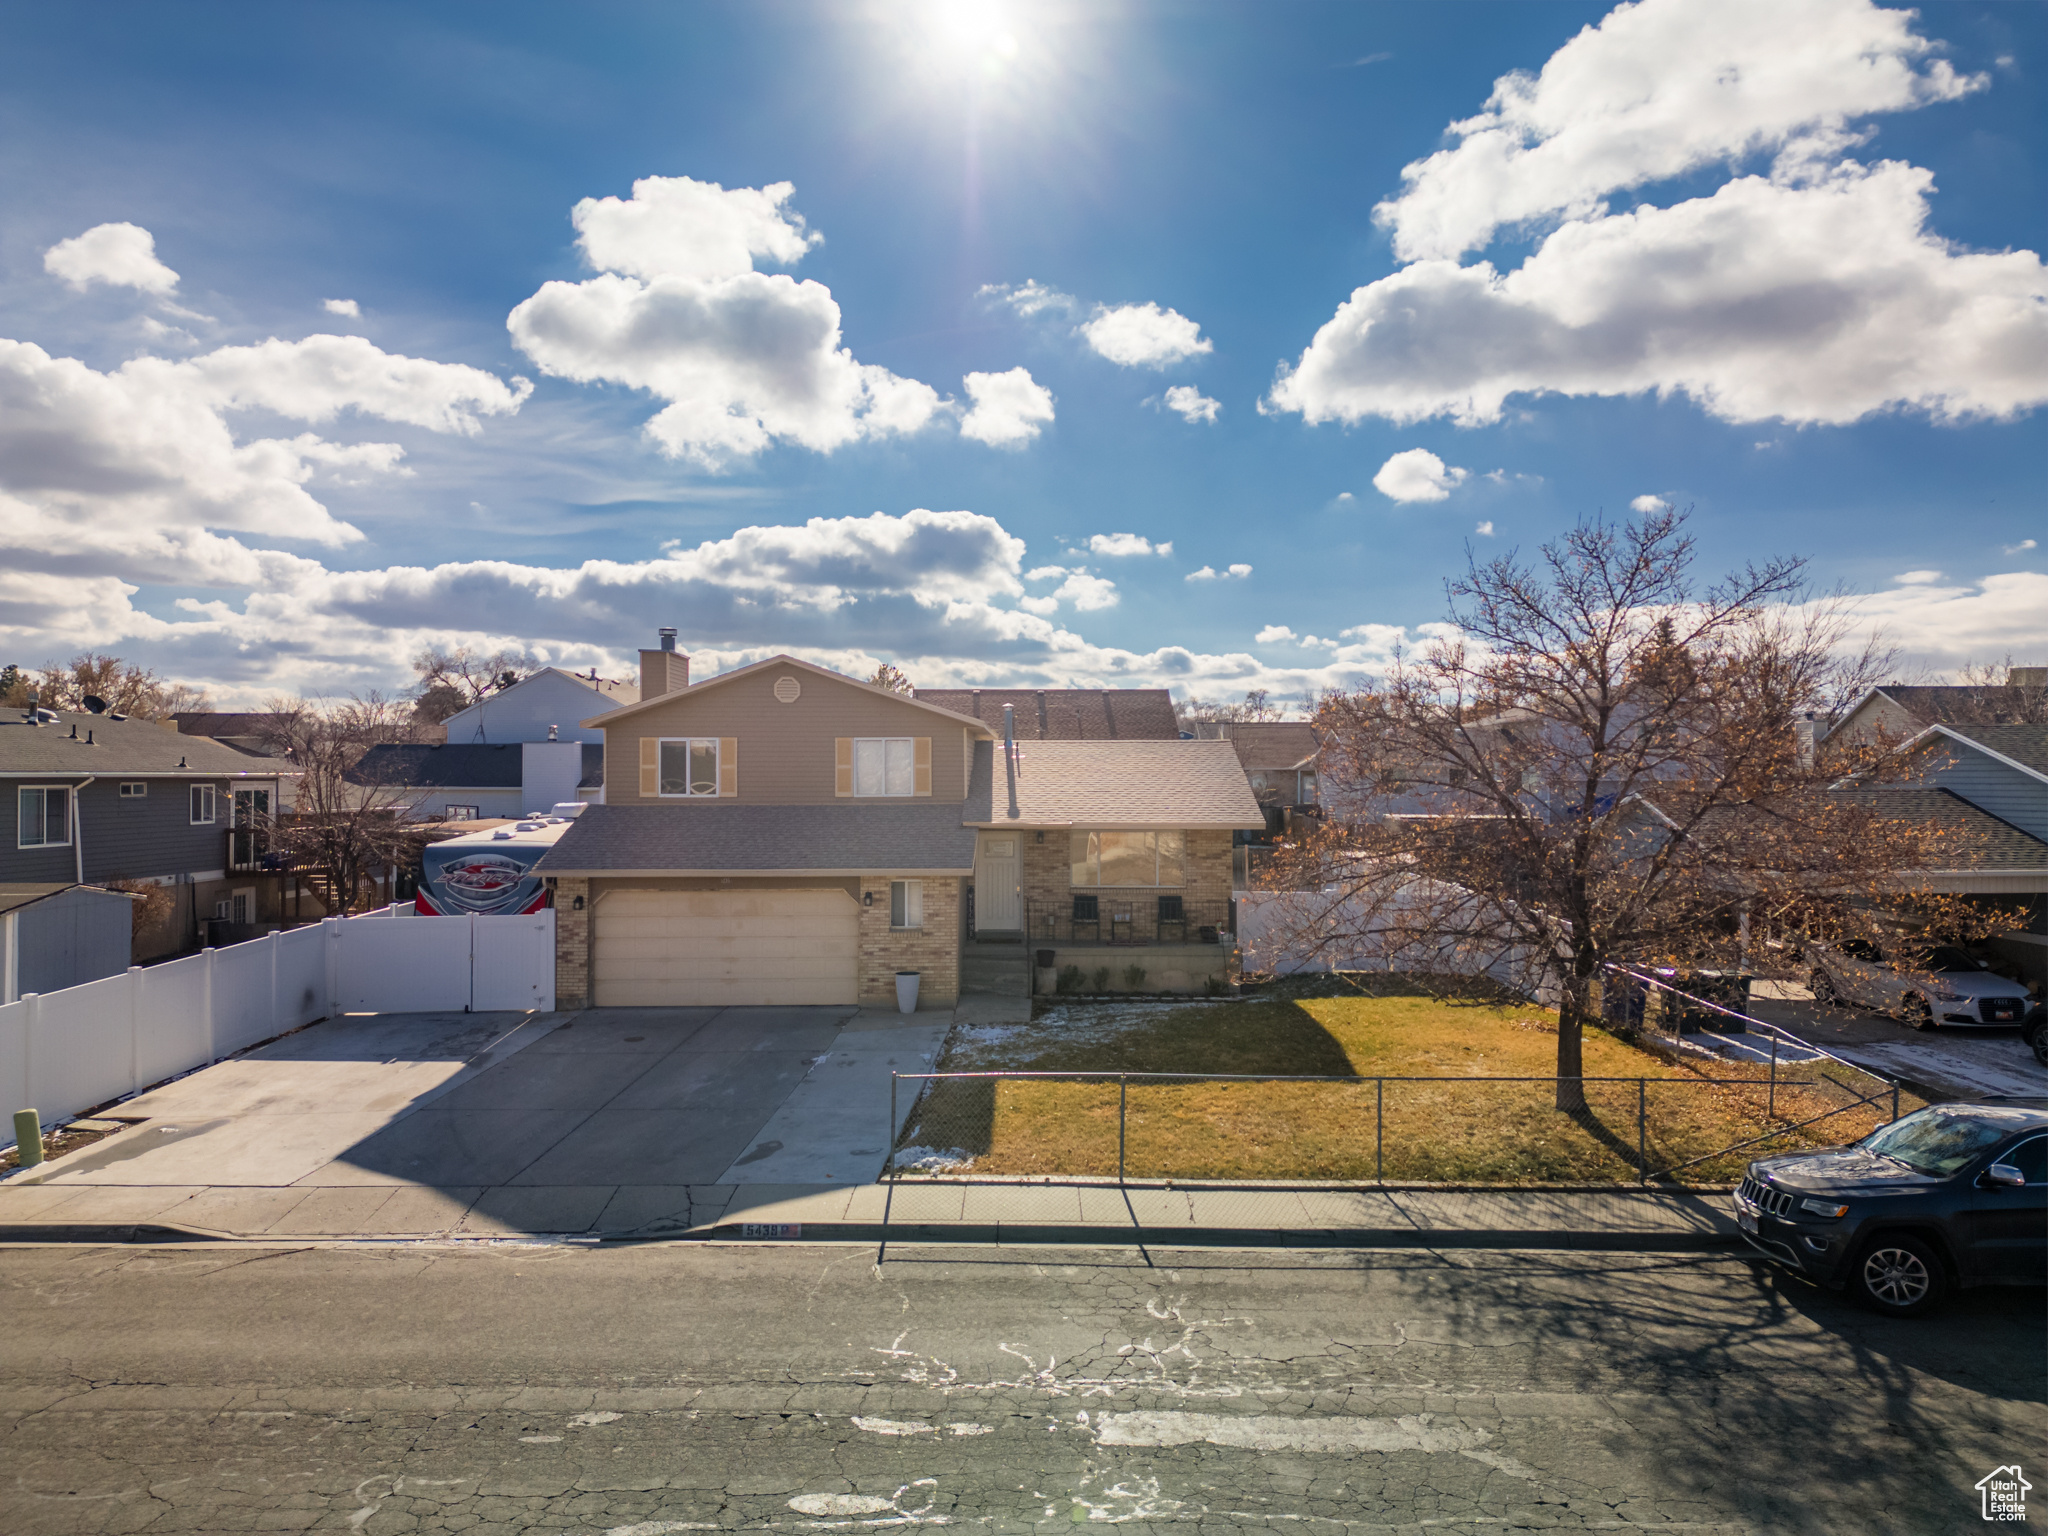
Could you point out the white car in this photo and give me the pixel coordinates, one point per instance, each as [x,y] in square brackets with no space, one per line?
[1926,985]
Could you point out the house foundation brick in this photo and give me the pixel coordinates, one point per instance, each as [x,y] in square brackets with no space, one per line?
[932,950]
[572,945]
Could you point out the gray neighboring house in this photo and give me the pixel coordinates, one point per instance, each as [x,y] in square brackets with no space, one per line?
[100,797]
[473,781]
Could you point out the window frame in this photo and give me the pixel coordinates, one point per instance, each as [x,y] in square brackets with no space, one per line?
[211,795]
[468,812]
[909,744]
[906,900]
[1094,860]
[689,744]
[70,793]
[134,789]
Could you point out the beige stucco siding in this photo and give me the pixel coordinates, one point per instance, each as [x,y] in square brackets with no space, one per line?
[786,752]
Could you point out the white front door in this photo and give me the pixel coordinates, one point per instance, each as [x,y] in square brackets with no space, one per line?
[998,907]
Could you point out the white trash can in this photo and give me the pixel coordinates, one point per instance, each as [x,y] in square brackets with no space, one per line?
[906,991]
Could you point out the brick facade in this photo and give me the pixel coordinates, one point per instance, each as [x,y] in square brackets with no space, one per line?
[933,950]
[1049,888]
[572,944]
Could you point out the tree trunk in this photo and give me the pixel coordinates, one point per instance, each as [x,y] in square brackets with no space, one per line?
[1571,1012]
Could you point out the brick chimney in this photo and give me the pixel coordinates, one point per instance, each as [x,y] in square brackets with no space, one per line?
[664,670]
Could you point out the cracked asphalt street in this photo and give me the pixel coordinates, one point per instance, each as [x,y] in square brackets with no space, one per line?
[645,1390]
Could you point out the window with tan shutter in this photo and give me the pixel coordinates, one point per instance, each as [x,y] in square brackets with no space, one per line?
[728,765]
[921,758]
[650,766]
[886,766]
[842,765]
[693,766]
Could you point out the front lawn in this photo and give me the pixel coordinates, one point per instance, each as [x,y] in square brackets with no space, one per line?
[1466,1131]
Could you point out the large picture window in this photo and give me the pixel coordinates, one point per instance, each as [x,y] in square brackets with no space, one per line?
[884,765]
[1130,858]
[689,766]
[44,817]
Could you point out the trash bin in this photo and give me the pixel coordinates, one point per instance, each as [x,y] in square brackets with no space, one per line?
[1730,989]
[1623,1001]
[906,991]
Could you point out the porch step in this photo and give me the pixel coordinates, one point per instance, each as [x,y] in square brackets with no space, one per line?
[994,968]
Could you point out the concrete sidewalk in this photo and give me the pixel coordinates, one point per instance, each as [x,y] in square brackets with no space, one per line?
[1081,1212]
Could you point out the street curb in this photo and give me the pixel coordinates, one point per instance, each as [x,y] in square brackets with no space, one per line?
[1077,1236]
[1023,1234]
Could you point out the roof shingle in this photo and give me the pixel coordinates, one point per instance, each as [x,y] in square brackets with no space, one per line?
[1114,784]
[776,839]
[1065,714]
[118,747]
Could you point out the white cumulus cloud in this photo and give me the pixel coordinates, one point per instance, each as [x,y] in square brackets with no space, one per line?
[121,255]
[1656,90]
[1917,578]
[1192,404]
[1416,474]
[348,307]
[1029,298]
[1144,336]
[744,358]
[1274,634]
[1814,294]
[1009,409]
[2014,549]
[1647,504]
[1121,545]
[1210,573]
[1485,529]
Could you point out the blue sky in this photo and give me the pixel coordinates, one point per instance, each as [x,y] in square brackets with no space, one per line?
[1807,305]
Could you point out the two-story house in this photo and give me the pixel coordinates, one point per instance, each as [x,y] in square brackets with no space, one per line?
[99,797]
[784,834]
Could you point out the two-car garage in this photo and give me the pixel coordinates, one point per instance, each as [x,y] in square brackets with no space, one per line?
[683,948]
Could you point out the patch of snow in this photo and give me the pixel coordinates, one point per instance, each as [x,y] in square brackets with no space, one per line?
[934,1159]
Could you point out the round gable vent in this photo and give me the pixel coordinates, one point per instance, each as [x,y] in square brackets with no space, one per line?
[787,690]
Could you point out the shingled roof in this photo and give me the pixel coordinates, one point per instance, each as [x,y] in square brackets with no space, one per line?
[1065,714]
[438,765]
[2026,745]
[99,744]
[824,840]
[1114,784]
[2000,844]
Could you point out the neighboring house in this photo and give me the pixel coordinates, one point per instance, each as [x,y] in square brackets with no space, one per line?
[99,798]
[250,733]
[785,834]
[1065,714]
[518,752]
[549,705]
[1900,710]
[55,935]
[467,782]
[1990,781]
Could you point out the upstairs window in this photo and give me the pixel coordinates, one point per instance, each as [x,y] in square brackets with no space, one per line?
[43,817]
[884,765]
[134,789]
[205,804]
[689,765]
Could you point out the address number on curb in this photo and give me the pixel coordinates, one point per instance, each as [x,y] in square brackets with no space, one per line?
[771,1229]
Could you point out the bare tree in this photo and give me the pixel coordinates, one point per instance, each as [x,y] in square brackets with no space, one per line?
[344,823]
[1995,697]
[467,674]
[1255,706]
[1601,766]
[889,676]
[127,688]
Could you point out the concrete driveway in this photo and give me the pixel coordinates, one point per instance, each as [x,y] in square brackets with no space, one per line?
[1970,1065]
[611,1119]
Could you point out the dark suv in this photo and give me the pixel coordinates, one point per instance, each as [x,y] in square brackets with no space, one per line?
[1950,1196]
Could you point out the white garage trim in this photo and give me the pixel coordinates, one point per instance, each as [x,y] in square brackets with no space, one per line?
[692,948]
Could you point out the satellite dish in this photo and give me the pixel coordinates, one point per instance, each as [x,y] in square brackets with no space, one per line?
[95,704]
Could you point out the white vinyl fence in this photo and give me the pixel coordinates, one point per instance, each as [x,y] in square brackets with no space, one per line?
[1288,933]
[62,1052]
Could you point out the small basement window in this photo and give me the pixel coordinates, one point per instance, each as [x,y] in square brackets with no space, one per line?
[205,804]
[906,903]
[462,812]
[134,789]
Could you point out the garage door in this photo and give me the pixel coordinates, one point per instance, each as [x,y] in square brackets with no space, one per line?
[686,948]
